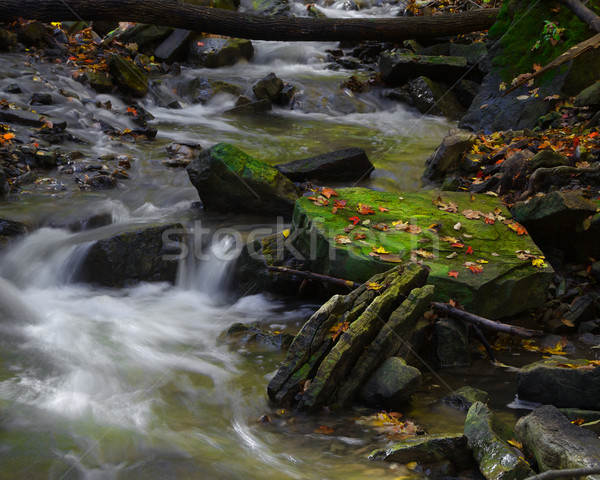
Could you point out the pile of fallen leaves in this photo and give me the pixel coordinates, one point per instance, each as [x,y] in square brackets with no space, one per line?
[436,7]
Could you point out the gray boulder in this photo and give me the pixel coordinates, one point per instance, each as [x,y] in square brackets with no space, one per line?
[547,382]
[556,443]
[589,96]
[174,48]
[268,88]
[464,397]
[245,106]
[143,254]
[229,180]
[215,52]
[350,164]
[398,67]
[392,384]
[433,98]
[449,154]
[452,342]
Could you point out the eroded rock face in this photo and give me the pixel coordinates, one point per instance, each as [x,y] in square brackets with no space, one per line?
[144,254]
[556,443]
[546,382]
[229,180]
[503,286]
[397,68]
[392,384]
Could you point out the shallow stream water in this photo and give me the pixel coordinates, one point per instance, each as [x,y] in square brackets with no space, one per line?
[134,383]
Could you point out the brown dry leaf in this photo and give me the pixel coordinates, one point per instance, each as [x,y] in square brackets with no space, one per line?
[390,257]
[424,253]
[472,214]
[342,239]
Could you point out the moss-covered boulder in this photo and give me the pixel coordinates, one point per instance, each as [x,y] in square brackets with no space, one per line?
[392,384]
[229,180]
[520,42]
[495,457]
[559,382]
[141,254]
[478,256]
[444,454]
[128,76]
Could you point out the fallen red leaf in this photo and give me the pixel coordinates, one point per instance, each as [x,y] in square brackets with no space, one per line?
[475,269]
[453,273]
[360,236]
[364,209]
[469,251]
[354,220]
[383,209]
[328,192]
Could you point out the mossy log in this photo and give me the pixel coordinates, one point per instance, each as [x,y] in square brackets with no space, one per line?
[243,25]
[323,365]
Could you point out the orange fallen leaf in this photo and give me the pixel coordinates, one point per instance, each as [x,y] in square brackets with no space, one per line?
[324,430]
[453,273]
[476,269]
[328,192]
[469,251]
[354,220]
[383,209]
[360,236]
[364,209]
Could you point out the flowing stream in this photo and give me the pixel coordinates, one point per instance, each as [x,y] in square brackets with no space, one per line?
[134,383]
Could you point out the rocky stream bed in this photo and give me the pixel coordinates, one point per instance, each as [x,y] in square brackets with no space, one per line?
[165,195]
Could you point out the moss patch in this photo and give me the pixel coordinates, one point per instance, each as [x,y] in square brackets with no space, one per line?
[503,286]
[520,24]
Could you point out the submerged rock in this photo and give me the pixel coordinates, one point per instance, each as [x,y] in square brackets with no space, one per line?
[489,279]
[443,454]
[392,384]
[174,48]
[495,457]
[452,342]
[144,254]
[546,381]
[350,164]
[464,397]
[180,155]
[229,180]
[557,443]
[241,335]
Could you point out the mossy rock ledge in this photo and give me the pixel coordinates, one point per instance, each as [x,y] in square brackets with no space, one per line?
[504,284]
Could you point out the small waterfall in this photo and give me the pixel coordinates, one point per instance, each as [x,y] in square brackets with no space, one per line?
[209,271]
[45,258]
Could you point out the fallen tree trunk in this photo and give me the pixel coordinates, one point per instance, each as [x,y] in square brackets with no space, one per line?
[243,25]
[583,13]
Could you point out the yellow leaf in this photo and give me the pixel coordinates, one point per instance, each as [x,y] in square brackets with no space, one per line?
[286,233]
[380,250]
[374,286]
[539,263]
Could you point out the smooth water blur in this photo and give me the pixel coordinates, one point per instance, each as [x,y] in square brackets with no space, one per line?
[135,383]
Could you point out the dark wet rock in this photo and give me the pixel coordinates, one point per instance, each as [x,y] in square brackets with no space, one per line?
[315,12]
[443,454]
[546,382]
[7,39]
[240,335]
[4,187]
[144,35]
[245,106]
[33,34]
[496,458]
[556,221]
[175,47]
[595,271]
[39,98]
[128,76]
[350,164]
[397,68]
[490,184]
[215,52]
[202,89]
[452,342]
[28,119]
[589,96]
[12,88]
[274,8]
[287,95]
[513,171]
[433,98]
[582,308]
[492,110]
[144,254]
[399,95]
[229,180]
[435,50]
[180,155]
[96,181]
[575,413]
[449,154]
[547,159]
[473,53]
[556,443]
[451,184]
[268,88]
[252,267]
[464,397]
[392,384]
[466,90]
[10,228]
